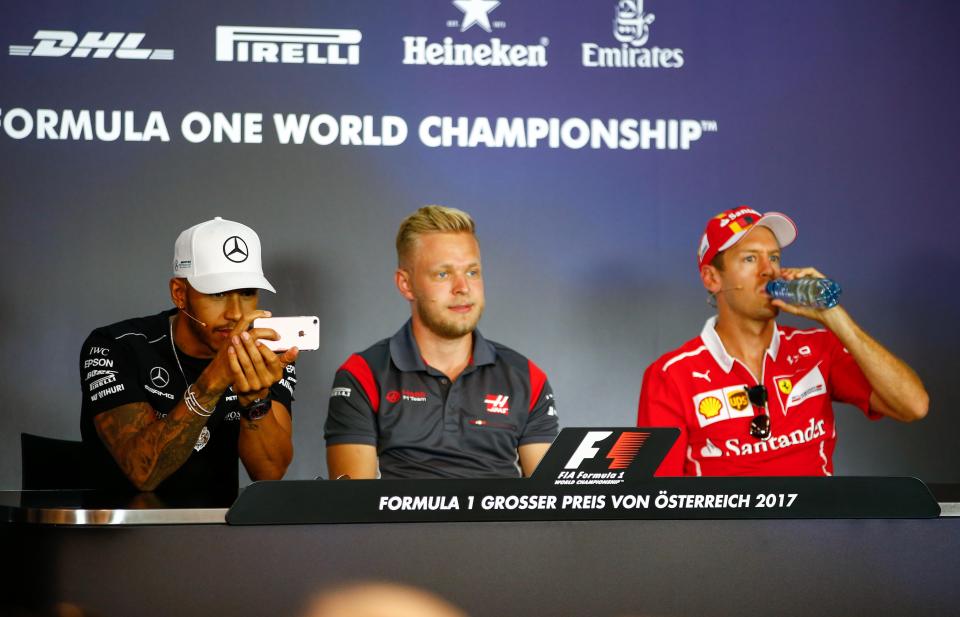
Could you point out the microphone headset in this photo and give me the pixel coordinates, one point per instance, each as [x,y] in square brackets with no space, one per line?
[712,297]
[184,311]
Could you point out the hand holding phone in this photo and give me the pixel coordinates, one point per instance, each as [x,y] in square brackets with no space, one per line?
[300,332]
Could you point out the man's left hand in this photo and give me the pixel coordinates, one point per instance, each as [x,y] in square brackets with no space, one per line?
[255,367]
[810,312]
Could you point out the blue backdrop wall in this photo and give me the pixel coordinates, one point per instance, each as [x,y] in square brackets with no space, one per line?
[590,140]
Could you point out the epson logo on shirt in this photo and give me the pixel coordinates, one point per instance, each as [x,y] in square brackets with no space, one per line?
[98,362]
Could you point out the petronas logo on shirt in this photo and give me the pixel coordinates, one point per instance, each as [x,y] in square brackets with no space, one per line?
[785,385]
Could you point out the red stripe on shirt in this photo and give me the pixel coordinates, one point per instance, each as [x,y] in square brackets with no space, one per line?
[358,367]
[537,380]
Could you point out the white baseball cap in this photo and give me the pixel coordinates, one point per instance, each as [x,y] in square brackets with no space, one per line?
[219,255]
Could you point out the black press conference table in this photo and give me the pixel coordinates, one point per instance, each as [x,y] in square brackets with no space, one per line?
[119,556]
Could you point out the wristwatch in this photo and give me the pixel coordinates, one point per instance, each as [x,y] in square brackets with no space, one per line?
[257,409]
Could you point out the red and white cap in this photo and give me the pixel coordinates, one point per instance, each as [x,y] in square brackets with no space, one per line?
[219,255]
[728,228]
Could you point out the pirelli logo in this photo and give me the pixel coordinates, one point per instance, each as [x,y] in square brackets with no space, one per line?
[288,45]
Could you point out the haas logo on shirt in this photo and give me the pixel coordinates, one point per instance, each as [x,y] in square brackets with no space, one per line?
[497,403]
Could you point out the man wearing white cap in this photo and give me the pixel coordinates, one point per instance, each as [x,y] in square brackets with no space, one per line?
[751,397]
[171,401]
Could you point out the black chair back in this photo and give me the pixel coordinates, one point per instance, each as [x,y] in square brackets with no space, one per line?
[48,463]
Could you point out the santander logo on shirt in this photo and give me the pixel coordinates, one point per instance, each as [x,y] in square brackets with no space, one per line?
[813,431]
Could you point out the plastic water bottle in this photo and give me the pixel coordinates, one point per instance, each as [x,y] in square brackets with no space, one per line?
[819,293]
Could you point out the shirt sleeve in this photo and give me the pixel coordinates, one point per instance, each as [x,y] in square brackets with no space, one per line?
[661,406]
[109,375]
[847,382]
[351,418]
[282,391]
[542,424]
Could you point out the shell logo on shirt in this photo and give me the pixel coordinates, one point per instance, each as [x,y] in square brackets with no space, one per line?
[710,407]
[722,404]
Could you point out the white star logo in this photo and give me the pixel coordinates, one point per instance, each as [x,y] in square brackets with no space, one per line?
[476,12]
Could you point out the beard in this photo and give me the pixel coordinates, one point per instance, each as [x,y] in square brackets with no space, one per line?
[201,336]
[448,328]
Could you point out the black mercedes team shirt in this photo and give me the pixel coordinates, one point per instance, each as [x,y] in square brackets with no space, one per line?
[424,426]
[134,361]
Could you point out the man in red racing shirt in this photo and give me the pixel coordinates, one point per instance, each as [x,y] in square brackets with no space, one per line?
[754,398]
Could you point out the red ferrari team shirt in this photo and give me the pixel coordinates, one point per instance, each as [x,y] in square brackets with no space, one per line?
[702,390]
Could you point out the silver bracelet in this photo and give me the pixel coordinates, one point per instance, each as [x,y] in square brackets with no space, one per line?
[190,399]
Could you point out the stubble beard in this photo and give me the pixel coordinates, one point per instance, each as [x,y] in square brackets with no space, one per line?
[446,328]
[200,334]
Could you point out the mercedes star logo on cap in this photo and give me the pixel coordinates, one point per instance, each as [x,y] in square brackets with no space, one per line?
[159,376]
[235,249]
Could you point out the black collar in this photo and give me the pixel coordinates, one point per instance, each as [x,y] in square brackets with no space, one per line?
[406,354]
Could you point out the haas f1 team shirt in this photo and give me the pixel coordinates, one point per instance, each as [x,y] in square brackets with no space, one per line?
[702,390]
[425,426]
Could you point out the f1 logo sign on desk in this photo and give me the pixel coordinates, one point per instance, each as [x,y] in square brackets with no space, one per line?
[620,455]
[605,455]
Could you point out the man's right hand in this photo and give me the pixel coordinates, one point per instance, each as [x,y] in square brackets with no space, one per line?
[247,377]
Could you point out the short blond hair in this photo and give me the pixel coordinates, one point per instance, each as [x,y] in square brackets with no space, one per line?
[431,219]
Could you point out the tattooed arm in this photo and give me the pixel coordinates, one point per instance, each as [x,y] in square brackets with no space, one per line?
[147,448]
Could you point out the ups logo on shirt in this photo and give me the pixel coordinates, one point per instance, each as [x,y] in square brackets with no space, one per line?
[738,399]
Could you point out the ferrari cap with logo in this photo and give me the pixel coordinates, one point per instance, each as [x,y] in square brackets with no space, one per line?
[727,228]
[219,255]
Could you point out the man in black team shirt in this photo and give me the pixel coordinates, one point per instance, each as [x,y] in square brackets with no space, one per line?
[438,400]
[170,401]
